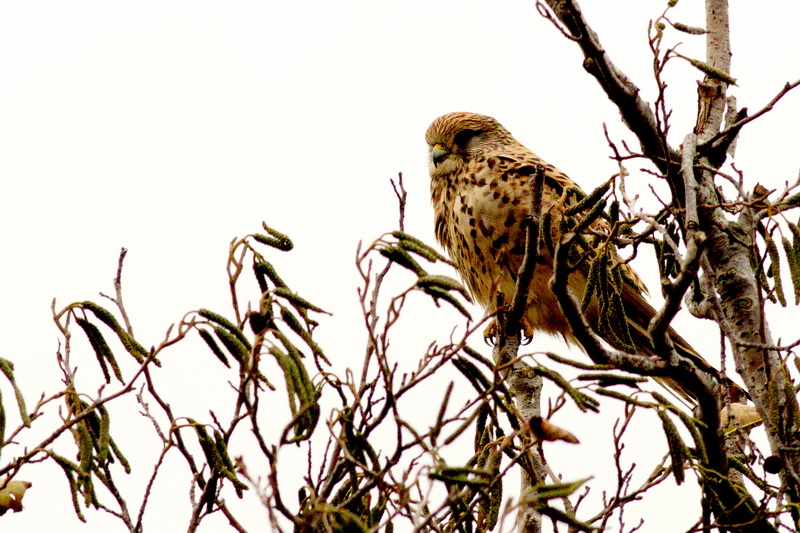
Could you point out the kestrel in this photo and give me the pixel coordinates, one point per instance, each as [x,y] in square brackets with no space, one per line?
[481,196]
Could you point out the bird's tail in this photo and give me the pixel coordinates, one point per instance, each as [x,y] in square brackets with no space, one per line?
[638,315]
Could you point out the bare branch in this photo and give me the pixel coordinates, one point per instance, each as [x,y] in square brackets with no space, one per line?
[734,128]
[636,113]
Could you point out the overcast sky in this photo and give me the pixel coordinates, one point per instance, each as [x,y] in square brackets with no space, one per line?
[171,127]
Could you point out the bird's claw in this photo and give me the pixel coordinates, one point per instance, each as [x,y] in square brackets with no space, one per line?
[527,331]
[490,333]
[493,330]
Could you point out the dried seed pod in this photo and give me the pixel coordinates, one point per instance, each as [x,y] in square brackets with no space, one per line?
[747,416]
[276,240]
[545,430]
[212,345]
[400,256]
[677,449]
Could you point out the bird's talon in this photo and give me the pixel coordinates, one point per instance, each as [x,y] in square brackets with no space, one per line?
[527,331]
[493,329]
[490,333]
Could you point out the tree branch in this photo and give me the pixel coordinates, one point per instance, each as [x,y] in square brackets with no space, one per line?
[532,239]
[737,126]
[636,113]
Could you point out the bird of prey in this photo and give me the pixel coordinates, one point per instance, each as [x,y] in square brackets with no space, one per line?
[481,197]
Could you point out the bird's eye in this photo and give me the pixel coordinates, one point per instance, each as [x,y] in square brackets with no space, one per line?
[463,137]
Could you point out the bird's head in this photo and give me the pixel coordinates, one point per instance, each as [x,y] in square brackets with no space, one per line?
[456,138]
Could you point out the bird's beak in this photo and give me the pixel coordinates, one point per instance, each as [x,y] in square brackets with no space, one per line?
[438,153]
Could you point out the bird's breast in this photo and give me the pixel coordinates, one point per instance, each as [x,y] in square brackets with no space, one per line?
[480,216]
[479,221]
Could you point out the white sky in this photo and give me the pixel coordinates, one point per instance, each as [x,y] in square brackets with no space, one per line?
[171,127]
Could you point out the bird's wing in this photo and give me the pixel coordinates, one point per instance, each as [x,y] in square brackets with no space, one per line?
[637,311]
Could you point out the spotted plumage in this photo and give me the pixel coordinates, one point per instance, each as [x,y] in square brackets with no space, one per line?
[481,196]
[480,192]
